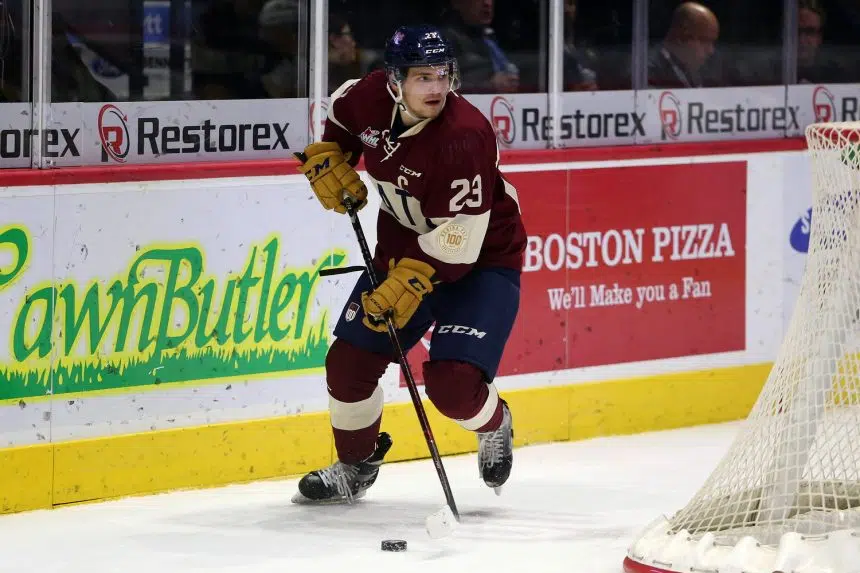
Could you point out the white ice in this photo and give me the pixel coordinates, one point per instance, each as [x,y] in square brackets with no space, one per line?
[568,507]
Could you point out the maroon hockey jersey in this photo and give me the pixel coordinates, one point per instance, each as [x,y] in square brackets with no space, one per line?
[444,200]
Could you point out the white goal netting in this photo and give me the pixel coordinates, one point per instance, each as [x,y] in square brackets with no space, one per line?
[786,496]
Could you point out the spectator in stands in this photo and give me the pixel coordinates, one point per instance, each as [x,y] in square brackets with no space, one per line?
[228,55]
[812,65]
[484,66]
[279,25]
[810,19]
[577,76]
[344,57]
[687,46]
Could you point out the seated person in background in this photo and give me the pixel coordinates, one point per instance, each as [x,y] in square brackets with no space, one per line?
[343,54]
[227,52]
[279,24]
[688,44]
[484,67]
[577,77]
[812,65]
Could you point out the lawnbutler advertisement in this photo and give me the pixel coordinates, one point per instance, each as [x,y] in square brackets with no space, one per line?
[628,264]
[121,290]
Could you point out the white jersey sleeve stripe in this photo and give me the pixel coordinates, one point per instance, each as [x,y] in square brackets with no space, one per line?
[511,191]
[334,97]
[457,240]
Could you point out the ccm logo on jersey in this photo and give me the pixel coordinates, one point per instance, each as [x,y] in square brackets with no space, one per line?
[408,171]
[457,329]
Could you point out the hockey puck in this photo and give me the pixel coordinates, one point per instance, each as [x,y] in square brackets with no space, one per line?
[393,545]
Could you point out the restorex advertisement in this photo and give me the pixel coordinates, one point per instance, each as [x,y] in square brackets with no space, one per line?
[126,133]
[117,133]
[16,136]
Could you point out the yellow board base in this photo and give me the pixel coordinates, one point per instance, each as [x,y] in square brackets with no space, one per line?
[44,476]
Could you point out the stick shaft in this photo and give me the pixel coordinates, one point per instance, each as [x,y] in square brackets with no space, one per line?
[404,365]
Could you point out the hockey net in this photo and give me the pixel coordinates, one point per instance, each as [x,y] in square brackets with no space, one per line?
[786,495]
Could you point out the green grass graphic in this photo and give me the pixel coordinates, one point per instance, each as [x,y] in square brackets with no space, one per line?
[149,373]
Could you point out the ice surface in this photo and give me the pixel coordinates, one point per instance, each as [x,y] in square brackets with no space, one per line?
[571,507]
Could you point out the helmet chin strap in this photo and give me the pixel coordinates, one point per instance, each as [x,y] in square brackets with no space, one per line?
[401,103]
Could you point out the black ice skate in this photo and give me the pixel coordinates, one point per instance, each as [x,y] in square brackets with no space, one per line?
[342,482]
[496,452]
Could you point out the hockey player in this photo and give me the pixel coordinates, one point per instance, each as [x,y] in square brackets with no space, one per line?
[450,242]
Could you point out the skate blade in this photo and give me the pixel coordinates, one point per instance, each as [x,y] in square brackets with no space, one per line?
[300,499]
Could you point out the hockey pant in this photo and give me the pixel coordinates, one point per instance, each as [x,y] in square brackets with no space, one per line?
[473,319]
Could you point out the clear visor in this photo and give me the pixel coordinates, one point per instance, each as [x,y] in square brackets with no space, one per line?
[431,80]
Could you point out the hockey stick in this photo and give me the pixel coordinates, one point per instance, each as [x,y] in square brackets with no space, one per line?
[340,271]
[442,522]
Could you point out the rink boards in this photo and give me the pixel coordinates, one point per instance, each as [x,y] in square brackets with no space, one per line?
[166,327]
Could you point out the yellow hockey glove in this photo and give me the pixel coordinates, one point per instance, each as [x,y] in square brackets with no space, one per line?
[399,295]
[331,177]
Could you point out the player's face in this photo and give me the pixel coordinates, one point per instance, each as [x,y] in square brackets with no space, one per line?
[425,90]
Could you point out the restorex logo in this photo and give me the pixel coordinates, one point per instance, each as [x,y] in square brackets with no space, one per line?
[670,115]
[161,317]
[324,118]
[17,143]
[827,107]
[533,124]
[150,135]
[113,133]
[678,118]
[823,104]
[504,121]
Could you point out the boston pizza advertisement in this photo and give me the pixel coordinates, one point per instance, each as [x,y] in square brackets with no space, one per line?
[636,263]
[628,264]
